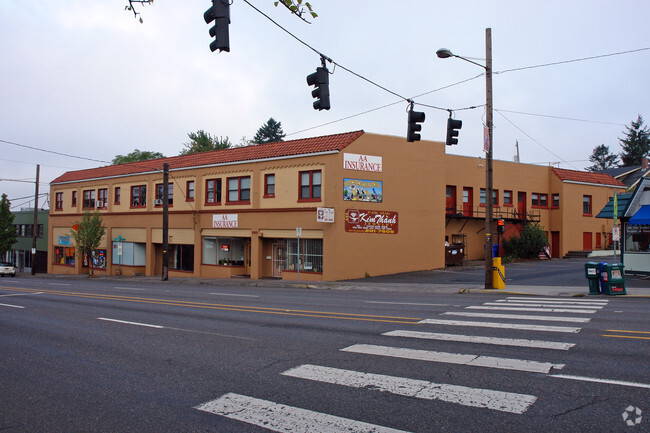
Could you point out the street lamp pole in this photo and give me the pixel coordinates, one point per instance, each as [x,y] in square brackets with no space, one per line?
[444,53]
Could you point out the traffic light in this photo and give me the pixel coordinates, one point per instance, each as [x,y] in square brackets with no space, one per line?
[452,131]
[501,224]
[413,126]
[220,14]
[321,80]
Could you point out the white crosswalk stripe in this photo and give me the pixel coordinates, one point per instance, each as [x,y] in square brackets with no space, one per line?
[283,418]
[582,301]
[538,310]
[519,342]
[533,304]
[466,396]
[564,303]
[455,358]
[521,326]
[518,317]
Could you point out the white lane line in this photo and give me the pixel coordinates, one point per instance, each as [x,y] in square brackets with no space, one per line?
[130,323]
[561,303]
[519,317]
[59,284]
[129,288]
[11,306]
[539,310]
[463,395]
[587,307]
[558,299]
[21,294]
[522,326]
[595,379]
[455,358]
[235,294]
[282,418]
[518,342]
[406,303]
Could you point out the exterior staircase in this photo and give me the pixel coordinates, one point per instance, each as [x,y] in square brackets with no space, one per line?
[577,255]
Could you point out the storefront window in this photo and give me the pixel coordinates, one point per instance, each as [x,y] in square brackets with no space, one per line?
[311,255]
[99,259]
[64,256]
[181,257]
[637,238]
[223,251]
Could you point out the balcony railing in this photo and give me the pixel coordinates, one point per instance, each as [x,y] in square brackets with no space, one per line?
[507,213]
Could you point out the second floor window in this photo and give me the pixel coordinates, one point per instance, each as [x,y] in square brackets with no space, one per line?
[139,196]
[213,191]
[160,190]
[118,193]
[507,198]
[189,191]
[269,185]
[59,201]
[74,198]
[586,205]
[89,199]
[102,197]
[310,185]
[239,189]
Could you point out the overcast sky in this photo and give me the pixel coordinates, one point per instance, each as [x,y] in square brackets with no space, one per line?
[88,79]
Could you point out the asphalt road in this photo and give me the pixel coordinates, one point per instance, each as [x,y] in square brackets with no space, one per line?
[108,356]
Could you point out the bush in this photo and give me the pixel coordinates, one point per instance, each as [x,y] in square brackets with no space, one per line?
[529,244]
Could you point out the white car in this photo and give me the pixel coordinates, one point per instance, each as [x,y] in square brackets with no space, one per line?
[7,269]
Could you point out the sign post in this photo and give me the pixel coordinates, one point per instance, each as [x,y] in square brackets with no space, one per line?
[119,239]
[298,234]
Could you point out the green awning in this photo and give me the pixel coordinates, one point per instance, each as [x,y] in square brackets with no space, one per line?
[623,203]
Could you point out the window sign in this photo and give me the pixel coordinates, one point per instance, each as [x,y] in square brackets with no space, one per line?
[362,190]
[352,161]
[325,215]
[64,240]
[225,221]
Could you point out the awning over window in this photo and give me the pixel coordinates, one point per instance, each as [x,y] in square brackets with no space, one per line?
[642,216]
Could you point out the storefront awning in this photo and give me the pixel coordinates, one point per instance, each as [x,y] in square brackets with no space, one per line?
[642,216]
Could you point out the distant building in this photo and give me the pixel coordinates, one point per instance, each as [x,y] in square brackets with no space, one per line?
[630,176]
[323,208]
[21,253]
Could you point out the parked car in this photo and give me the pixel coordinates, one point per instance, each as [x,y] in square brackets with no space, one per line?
[7,269]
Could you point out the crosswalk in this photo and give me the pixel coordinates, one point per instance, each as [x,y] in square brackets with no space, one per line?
[511,315]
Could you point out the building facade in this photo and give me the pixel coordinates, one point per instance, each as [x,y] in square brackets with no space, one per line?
[21,253]
[324,208]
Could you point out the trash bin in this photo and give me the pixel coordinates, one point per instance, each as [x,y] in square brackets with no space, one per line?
[613,279]
[592,272]
[498,274]
[495,250]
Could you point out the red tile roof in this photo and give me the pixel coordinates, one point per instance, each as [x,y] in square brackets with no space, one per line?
[304,146]
[586,177]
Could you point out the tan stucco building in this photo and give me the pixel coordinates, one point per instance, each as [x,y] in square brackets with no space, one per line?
[365,204]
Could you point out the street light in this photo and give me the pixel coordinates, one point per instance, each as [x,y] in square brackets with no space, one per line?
[444,53]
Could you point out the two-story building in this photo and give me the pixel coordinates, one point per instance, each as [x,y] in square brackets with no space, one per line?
[329,208]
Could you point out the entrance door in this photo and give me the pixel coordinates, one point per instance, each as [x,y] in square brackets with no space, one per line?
[586,241]
[279,259]
[468,201]
[521,204]
[555,245]
[451,200]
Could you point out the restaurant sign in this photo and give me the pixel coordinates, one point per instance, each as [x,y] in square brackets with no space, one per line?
[362,190]
[370,221]
[352,161]
[225,221]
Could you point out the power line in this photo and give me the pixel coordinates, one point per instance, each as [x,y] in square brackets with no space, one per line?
[561,118]
[52,151]
[571,61]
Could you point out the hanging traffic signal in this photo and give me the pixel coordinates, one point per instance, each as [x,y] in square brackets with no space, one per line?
[415,118]
[452,131]
[321,80]
[220,14]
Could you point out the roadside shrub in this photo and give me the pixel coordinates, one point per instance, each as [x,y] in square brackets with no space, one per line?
[528,244]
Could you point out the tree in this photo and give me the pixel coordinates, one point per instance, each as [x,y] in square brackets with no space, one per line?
[636,143]
[530,242]
[602,159]
[7,229]
[270,132]
[202,141]
[88,235]
[137,155]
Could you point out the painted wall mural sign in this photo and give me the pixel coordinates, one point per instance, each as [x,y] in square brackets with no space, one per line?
[225,221]
[352,161]
[371,221]
[362,190]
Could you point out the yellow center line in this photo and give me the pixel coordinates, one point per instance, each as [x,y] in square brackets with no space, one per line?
[622,330]
[626,336]
[226,307]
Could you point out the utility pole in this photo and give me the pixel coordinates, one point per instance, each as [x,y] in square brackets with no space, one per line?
[165,222]
[35,229]
[488,160]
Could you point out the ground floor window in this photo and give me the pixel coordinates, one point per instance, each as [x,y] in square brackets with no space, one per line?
[99,259]
[223,251]
[64,256]
[133,254]
[637,238]
[309,258]
[181,257]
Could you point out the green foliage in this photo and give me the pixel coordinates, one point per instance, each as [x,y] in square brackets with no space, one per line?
[7,229]
[202,141]
[636,143]
[296,7]
[529,244]
[137,155]
[602,159]
[88,235]
[270,132]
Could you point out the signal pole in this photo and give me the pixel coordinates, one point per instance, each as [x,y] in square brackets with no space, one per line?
[165,223]
[35,229]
